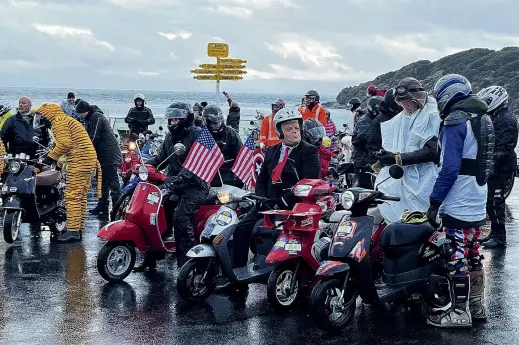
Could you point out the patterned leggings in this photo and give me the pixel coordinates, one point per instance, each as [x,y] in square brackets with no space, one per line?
[78,184]
[467,255]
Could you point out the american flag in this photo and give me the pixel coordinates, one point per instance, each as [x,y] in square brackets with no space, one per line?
[244,163]
[204,158]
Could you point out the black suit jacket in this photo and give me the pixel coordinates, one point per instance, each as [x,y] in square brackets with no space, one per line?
[303,162]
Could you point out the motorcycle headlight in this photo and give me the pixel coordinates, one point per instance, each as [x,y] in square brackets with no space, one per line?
[302,190]
[14,167]
[132,146]
[143,173]
[347,200]
[224,197]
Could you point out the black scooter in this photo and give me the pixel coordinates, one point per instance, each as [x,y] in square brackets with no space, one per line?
[31,196]
[414,263]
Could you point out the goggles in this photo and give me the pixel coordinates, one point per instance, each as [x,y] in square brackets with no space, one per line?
[402,92]
[176,113]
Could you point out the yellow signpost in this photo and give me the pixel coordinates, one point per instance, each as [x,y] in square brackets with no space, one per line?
[224,69]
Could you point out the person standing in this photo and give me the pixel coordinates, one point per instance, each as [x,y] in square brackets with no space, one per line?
[139,117]
[108,154]
[459,195]
[69,105]
[268,134]
[505,162]
[330,127]
[72,140]
[233,118]
[314,109]
[388,109]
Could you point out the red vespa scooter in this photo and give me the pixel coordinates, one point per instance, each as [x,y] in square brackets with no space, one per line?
[142,229]
[295,250]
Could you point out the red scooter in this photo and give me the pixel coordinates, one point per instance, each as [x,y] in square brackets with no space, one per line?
[142,229]
[298,243]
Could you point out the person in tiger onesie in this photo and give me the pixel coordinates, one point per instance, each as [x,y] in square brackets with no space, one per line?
[73,141]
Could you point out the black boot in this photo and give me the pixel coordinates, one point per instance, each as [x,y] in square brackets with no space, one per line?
[498,239]
[100,208]
[68,236]
[458,315]
[149,262]
[490,235]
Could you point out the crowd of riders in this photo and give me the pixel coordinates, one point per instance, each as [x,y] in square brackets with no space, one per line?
[457,148]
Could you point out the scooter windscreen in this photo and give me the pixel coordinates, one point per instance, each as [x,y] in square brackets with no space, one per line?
[224,218]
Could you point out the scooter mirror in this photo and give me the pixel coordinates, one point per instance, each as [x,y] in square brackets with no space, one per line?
[141,136]
[344,125]
[35,139]
[179,149]
[161,128]
[396,171]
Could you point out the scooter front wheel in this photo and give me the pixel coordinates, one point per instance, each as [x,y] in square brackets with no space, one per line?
[328,311]
[119,209]
[279,287]
[11,225]
[115,261]
[196,280]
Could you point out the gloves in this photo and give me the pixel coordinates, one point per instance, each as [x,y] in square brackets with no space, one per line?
[432,212]
[385,158]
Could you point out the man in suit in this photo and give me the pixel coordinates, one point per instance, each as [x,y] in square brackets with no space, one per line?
[285,164]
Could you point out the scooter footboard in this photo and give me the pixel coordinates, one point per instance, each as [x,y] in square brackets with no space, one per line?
[124,231]
[202,251]
[330,268]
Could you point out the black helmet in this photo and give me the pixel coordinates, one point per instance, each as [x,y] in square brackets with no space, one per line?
[313,132]
[179,111]
[312,97]
[390,103]
[353,103]
[213,117]
[374,104]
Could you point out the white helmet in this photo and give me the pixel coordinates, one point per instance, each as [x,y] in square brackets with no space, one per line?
[495,97]
[285,115]
[139,96]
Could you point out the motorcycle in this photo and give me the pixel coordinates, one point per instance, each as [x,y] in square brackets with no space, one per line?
[212,258]
[298,249]
[31,196]
[142,228]
[414,263]
[138,172]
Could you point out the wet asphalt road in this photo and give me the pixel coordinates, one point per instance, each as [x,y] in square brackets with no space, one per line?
[52,294]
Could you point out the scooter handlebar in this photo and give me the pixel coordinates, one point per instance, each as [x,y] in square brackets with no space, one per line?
[255,197]
[390,198]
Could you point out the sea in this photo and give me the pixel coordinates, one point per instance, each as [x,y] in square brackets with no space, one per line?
[116,103]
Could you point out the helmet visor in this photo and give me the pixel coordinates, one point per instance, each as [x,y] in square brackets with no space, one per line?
[176,113]
[310,99]
[404,93]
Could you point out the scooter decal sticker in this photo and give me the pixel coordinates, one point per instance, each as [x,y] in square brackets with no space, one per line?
[293,247]
[306,222]
[224,218]
[438,239]
[209,227]
[153,198]
[346,229]
[280,243]
[359,251]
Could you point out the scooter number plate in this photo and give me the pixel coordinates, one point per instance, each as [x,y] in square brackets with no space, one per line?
[293,247]
[224,218]
[153,198]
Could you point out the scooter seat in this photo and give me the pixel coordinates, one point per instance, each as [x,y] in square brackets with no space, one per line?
[48,178]
[398,234]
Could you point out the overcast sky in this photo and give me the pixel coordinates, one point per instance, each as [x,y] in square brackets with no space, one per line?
[290,45]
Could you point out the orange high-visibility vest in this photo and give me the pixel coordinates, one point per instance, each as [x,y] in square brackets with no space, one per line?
[268,134]
[317,113]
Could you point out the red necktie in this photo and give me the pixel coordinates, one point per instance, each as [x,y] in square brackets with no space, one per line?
[276,173]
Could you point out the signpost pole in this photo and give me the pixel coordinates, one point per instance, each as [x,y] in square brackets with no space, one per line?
[218,81]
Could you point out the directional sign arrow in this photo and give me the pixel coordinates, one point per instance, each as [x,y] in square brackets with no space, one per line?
[204,71]
[218,71]
[233,61]
[231,77]
[215,77]
[222,66]
[232,71]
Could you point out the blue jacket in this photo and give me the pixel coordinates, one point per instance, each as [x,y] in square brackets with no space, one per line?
[464,200]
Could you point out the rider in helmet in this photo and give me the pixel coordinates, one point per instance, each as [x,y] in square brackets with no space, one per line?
[189,188]
[388,109]
[139,117]
[505,161]
[354,105]
[361,157]
[314,109]
[197,110]
[285,164]
[460,194]
[313,133]
[227,140]
[5,113]
[373,91]
[268,134]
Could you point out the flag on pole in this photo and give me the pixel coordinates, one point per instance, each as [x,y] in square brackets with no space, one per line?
[244,163]
[205,158]
[259,157]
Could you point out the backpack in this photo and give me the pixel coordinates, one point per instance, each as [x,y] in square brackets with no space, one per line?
[483,129]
